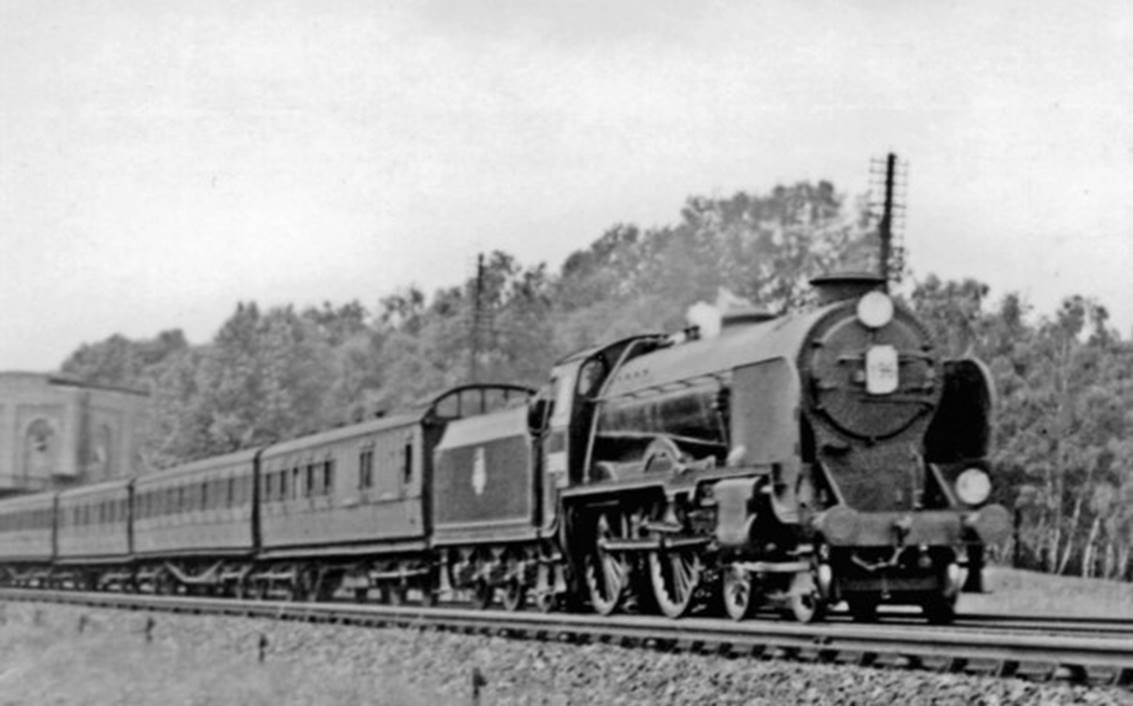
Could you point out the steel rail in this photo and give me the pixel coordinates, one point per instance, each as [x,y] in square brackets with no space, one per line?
[1028,623]
[1100,660]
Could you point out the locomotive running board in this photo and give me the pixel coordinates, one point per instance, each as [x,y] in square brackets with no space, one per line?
[649,545]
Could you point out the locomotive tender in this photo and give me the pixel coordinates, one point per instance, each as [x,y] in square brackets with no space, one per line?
[788,462]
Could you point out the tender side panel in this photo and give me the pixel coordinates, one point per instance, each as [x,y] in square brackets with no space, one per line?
[484,485]
[364,488]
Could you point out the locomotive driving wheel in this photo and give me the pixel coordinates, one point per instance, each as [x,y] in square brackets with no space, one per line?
[676,575]
[607,574]
[675,572]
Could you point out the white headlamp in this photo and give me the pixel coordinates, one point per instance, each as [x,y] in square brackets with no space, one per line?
[973,486]
[875,309]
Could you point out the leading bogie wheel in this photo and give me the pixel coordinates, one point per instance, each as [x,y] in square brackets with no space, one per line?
[738,593]
[804,602]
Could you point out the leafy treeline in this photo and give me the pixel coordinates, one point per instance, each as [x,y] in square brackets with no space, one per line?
[1065,431]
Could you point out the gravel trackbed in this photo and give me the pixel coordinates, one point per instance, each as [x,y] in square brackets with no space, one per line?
[190,660]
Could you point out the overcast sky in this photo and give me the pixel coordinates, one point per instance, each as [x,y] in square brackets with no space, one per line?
[160,161]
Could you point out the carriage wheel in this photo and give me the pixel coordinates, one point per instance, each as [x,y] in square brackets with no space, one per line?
[515,595]
[483,593]
[544,594]
[306,585]
[429,591]
[738,593]
[515,589]
[607,575]
[163,584]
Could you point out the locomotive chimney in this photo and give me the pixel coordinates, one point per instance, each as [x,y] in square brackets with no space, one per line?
[845,285]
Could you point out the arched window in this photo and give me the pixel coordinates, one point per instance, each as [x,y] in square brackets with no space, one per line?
[41,450]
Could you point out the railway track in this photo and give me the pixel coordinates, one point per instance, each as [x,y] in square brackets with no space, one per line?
[1034,624]
[991,649]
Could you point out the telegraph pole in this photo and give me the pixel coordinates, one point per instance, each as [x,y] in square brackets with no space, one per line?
[891,261]
[474,332]
[885,228]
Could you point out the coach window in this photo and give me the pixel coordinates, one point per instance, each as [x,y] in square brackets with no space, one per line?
[312,488]
[407,468]
[296,483]
[366,468]
[328,476]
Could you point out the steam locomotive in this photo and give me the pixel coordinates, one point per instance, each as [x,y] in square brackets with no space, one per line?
[781,463]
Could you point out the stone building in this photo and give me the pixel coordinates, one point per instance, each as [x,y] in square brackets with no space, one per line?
[56,432]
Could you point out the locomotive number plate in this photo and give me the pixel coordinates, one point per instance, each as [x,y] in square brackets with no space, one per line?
[881,370]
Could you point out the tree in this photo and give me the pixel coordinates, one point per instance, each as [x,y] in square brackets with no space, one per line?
[121,361]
